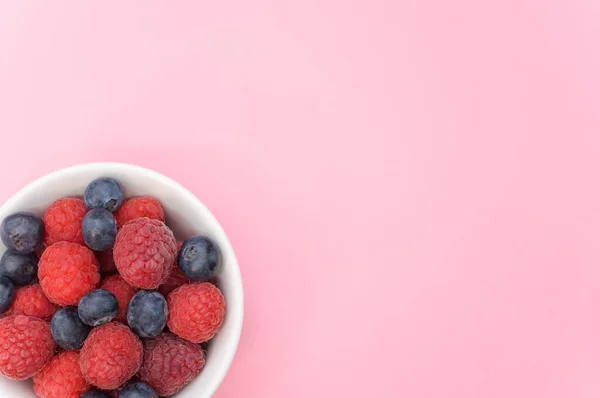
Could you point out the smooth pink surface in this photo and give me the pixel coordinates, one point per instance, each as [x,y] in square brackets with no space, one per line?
[411,186]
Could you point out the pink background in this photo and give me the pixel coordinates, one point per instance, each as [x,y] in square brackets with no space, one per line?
[411,186]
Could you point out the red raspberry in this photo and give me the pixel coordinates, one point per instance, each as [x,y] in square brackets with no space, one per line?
[26,345]
[67,272]
[61,378]
[176,278]
[123,291]
[107,262]
[170,363]
[196,311]
[110,356]
[31,300]
[63,221]
[144,252]
[133,208]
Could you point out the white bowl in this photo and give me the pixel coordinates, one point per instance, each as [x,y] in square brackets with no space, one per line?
[186,215]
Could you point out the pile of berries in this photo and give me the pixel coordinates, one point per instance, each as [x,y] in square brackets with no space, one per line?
[113,306]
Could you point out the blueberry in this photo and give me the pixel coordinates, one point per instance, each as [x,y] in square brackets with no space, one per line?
[22,232]
[68,330]
[99,229]
[7,294]
[147,313]
[138,390]
[199,259]
[95,394]
[104,193]
[98,307]
[21,269]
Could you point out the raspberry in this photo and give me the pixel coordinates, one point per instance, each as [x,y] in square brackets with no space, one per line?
[31,300]
[196,311]
[123,291]
[61,378]
[107,262]
[26,345]
[170,363]
[110,356]
[67,272]
[63,221]
[176,278]
[144,252]
[139,207]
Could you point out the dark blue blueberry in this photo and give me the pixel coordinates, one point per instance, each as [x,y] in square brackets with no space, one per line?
[147,313]
[21,269]
[68,330]
[199,259]
[138,390]
[7,294]
[95,394]
[22,232]
[99,229]
[104,193]
[98,307]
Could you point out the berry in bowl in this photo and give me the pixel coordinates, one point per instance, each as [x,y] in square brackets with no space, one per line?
[115,281]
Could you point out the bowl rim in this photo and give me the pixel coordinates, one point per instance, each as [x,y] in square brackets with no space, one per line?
[61,173]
